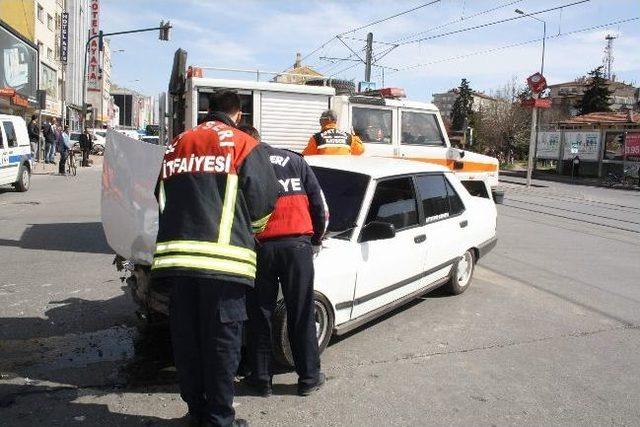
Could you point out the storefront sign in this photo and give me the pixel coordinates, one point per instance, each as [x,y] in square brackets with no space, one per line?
[18,64]
[586,143]
[632,147]
[93,77]
[64,37]
[7,91]
[548,145]
[19,101]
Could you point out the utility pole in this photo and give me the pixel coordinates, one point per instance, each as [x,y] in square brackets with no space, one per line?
[368,58]
[608,54]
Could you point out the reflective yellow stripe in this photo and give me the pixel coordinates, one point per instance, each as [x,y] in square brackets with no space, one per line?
[162,197]
[260,224]
[228,209]
[191,246]
[204,263]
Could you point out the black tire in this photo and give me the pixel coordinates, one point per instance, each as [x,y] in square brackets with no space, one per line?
[341,86]
[24,179]
[281,347]
[460,281]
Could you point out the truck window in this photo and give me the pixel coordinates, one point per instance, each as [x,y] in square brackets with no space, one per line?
[420,129]
[10,132]
[246,100]
[372,125]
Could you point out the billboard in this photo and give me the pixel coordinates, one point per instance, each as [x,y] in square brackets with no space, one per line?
[585,145]
[548,145]
[18,65]
[93,76]
[632,147]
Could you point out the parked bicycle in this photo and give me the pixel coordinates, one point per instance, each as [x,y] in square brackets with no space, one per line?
[72,162]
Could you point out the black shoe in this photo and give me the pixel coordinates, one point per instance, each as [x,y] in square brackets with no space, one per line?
[191,420]
[239,422]
[259,388]
[306,390]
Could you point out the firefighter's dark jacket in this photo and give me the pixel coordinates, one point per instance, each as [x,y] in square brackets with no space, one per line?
[301,209]
[216,189]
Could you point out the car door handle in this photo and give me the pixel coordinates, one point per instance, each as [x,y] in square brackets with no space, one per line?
[464,223]
[420,238]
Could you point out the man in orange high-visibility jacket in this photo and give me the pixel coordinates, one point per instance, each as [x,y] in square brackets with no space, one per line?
[331,140]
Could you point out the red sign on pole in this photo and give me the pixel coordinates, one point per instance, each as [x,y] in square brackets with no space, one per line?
[537,102]
[537,83]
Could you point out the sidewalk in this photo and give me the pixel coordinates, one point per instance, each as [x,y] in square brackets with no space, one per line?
[543,176]
[52,169]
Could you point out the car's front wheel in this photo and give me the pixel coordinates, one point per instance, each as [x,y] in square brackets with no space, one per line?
[461,273]
[324,329]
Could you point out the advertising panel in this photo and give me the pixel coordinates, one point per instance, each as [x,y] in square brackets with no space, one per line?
[613,146]
[632,147]
[18,65]
[93,76]
[548,145]
[587,145]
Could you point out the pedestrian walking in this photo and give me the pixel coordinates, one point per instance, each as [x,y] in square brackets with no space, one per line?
[331,140]
[34,136]
[285,259]
[215,187]
[86,143]
[64,149]
[49,142]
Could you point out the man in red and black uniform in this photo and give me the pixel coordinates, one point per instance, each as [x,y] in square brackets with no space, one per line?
[217,188]
[285,255]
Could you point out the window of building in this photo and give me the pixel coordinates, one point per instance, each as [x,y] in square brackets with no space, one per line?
[9,131]
[395,202]
[372,125]
[50,22]
[420,129]
[49,53]
[40,13]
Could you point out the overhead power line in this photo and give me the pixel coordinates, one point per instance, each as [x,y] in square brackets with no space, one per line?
[370,24]
[509,46]
[489,24]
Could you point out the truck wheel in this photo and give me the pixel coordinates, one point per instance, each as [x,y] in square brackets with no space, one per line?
[24,179]
[324,329]
[461,274]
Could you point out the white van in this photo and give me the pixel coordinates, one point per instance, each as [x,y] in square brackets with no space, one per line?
[15,153]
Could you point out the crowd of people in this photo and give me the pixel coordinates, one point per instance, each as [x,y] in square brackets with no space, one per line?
[55,138]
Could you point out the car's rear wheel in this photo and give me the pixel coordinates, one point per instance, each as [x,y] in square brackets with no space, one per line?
[24,180]
[461,273]
[324,329]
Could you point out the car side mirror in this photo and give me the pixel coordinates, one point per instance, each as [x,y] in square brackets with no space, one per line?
[377,230]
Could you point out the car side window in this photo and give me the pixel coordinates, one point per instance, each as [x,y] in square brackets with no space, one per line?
[433,195]
[12,140]
[455,203]
[394,201]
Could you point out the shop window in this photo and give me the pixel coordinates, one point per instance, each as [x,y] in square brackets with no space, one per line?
[372,125]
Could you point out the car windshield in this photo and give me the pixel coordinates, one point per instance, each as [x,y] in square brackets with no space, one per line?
[344,192]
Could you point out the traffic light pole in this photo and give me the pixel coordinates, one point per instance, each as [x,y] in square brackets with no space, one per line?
[163,36]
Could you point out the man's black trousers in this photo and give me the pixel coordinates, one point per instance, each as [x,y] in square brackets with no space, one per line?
[288,261]
[206,318]
[64,154]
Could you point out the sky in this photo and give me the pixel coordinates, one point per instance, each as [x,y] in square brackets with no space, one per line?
[266,35]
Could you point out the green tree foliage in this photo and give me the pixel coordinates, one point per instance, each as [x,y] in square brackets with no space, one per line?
[461,112]
[597,96]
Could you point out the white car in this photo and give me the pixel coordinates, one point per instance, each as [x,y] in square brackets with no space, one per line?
[15,153]
[397,229]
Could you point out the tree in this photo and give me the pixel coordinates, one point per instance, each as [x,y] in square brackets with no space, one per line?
[597,96]
[461,111]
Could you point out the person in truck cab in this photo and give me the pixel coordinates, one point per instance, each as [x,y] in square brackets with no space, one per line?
[331,140]
[216,189]
[285,256]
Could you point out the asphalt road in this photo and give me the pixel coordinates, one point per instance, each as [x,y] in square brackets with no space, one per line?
[547,334]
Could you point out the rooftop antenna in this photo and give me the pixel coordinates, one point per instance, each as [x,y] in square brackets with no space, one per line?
[608,54]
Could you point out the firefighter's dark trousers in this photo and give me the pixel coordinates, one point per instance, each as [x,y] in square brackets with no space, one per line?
[206,318]
[288,261]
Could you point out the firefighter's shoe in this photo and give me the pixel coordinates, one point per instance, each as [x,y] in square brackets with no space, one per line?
[306,390]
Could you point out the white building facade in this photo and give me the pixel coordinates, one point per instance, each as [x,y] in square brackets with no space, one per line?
[47,38]
[78,34]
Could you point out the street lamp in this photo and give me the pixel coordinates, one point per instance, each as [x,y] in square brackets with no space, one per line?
[533,142]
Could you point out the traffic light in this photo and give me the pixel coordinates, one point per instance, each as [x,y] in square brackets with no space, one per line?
[164,30]
[100,41]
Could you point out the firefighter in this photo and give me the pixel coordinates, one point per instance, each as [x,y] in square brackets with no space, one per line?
[215,187]
[331,140]
[286,250]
